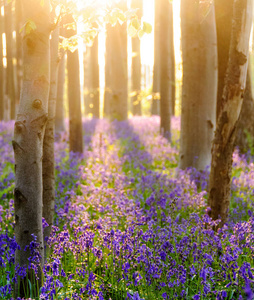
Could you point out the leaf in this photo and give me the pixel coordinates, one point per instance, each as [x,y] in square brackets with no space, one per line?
[42,2]
[147,28]
[141,33]
[131,30]
[135,23]
[29,26]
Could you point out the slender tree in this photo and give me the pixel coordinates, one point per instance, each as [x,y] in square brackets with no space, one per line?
[165,68]
[232,99]
[10,83]
[75,119]
[59,119]
[136,64]
[19,55]
[245,126]
[118,108]
[156,70]
[172,57]
[29,131]
[198,114]
[92,80]
[48,162]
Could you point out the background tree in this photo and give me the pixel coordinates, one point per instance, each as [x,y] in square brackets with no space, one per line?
[199,91]
[10,83]
[165,68]
[48,163]
[29,130]
[232,98]
[19,69]
[156,66]
[172,58]
[59,119]
[118,107]
[75,119]
[136,64]
[92,80]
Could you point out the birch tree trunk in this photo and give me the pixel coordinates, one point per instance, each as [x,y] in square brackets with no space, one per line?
[165,69]
[136,64]
[29,133]
[156,66]
[48,162]
[59,119]
[172,58]
[74,99]
[232,99]
[199,91]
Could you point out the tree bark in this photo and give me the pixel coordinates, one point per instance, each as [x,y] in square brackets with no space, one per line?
[74,99]
[198,112]
[10,83]
[92,80]
[232,99]
[165,69]
[48,162]
[119,78]
[156,66]
[172,58]
[59,119]
[29,133]
[245,126]
[223,16]
[19,55]
[136,64]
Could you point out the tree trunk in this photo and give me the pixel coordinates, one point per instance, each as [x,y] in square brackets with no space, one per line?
[48,162]
[92,80]
[119,76]
[165,69]
[108,70]
[29,133]
[232,99]
[136,64]
[75,118]
[156,66]
[199,91]
[1,67]
[19,55]
[172,58]
[59,119]
[223,16]
[245,126]
[10,84]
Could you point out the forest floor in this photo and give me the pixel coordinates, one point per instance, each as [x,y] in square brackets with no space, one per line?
[130,225]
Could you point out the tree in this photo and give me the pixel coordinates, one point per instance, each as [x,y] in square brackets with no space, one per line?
[165,68]
[92,80]
[48,163]
[119,69]
[172,57]
[223,16]
[19,69]
[156,66]
[75,119]
[136,64]
[29,130]
[10,83]
[232,99]
[199,91]
[245,126]
[59,119]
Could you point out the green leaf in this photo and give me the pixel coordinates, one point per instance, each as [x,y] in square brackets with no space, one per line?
[147,28]
[141,33]
[132,31]
[135,23]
